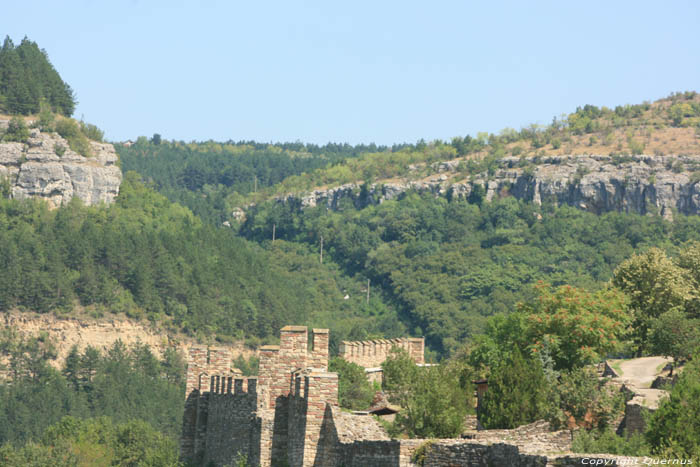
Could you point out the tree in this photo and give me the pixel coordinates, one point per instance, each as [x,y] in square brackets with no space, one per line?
[517,394]
[575,326]
[654,285]
[675,335]
[156,139]
[433,400]
[673,429]
[354,391]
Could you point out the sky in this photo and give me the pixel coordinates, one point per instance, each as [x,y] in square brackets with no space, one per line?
[357,71]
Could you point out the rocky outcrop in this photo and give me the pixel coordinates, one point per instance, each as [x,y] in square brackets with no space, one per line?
[636,184]
[36,169]
[66,332]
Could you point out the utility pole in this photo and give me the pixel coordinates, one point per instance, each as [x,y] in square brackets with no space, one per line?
[368,291]
[255,183]
[274,227]
[321,249]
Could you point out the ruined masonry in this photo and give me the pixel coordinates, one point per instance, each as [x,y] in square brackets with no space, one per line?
[289,415]
[373,353]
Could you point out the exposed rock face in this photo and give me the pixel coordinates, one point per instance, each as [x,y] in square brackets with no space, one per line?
[637,184]
[66,332]
[35,170]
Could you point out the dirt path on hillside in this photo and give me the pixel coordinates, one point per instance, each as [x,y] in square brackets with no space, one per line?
[640,372]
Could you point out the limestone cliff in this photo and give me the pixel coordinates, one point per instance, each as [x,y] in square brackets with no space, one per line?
[639,184]
[35,169]
[66,332]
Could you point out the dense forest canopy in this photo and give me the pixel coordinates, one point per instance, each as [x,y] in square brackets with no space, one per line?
[27,79]
[527,295]
[152,259]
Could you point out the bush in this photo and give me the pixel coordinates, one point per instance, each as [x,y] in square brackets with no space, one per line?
[433,400]
[354,391]
[674,427]
[70,130]
[92,132]
[607,442]
[17,131]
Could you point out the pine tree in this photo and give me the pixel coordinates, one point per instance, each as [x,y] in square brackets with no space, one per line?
[516,395]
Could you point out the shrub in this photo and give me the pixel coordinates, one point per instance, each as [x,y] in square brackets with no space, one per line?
[433,400]
[70,130]
[92,132]
[17,131]
[674,427]
[607,442]
[354,391]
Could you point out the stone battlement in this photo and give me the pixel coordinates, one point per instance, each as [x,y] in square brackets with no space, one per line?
[289,415]
[372,353]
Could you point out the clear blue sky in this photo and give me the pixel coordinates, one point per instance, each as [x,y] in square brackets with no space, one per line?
[356,71]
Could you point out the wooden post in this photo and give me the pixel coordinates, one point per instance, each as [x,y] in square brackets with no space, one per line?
[321,249]
[368,291]
[274,227]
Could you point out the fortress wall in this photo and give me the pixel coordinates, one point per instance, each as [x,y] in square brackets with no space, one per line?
[319,355]
[371,354]
[232,426]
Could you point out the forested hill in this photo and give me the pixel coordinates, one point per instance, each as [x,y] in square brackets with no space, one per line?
[212,178]
[148,258]
[27,79]
[438,265]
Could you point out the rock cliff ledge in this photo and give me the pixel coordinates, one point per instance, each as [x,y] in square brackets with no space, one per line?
[34,169]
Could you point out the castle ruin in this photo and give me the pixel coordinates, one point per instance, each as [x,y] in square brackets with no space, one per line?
[289,416]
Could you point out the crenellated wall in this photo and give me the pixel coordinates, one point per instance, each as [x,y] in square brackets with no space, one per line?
[290,415]
[371,354]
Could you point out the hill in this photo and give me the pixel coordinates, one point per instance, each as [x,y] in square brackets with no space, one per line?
[27,79]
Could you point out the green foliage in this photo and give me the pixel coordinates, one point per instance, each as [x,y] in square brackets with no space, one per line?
[518,393]
[576,327]
[354,391]
[450,265]
[47,118]
[654,285]
[91,132]
[212,178]
[433,400]
[124,384]
[249,367]
[17,131]
[580,399]
[60,150]
[607,442]
[71,131]
[27,79]
[421,451]
[148,258]
[99,441]
[673,428]
[675,335]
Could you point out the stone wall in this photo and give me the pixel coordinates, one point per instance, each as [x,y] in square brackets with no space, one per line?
[289,415]
[372,353]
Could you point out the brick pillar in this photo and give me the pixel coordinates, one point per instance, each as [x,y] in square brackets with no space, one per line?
[196,365]
[269,355]
[294,341]
[320,352]
[220,359]
[321,391]
[417,349]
